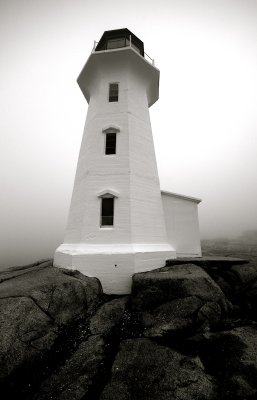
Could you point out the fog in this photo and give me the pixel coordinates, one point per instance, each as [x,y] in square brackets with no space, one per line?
[204,124]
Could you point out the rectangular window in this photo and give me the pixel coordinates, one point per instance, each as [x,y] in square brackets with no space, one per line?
[113,92]
[116,43]
[110,143]
[107,211]
[135,47]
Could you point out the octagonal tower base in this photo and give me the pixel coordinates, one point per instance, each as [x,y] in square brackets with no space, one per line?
[114,265]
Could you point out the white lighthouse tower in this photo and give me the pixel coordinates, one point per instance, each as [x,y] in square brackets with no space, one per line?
[116,224]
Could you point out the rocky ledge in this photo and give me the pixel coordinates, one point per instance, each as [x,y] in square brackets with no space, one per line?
[187,331]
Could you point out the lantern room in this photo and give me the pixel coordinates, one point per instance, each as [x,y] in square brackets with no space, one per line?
[119,38]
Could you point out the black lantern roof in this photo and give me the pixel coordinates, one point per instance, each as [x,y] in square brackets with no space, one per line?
[119,38]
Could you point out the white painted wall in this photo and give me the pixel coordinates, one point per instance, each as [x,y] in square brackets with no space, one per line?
[113,264]
[181,218]
[139,231]
[132,172]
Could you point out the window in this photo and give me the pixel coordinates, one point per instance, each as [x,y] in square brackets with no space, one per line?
[116,43]
[107,211]
[113,92]
[135,47]
[110,143]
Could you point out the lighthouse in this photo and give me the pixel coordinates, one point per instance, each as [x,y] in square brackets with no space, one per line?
[116,224]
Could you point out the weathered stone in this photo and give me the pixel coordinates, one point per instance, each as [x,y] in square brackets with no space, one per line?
[245,273]
[13,272]
[144,370]
[22,324]
[80,373]
[241,389]
[231,356]
[183,299]
[62,296]
[108,316]
[173,304]
[33,305]
[209,316]
[208,261]
[222,282]
[249,295]
[150,289]
[172,317]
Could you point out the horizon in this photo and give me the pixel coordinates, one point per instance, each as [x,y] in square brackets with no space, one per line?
[214,239]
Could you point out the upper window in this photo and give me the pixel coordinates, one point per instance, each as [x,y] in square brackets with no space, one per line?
[116,43]
[113,92]
[121,42]
[110,143]
[135,47]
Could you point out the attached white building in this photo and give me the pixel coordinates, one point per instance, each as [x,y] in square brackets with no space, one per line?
[119,222]
[182,224]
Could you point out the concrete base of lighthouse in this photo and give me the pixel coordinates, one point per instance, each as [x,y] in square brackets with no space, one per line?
[113,265]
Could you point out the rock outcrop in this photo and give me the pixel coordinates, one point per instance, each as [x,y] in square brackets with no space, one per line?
[183,299]
[145,370]
[187,331]
[80,374]
[35,304]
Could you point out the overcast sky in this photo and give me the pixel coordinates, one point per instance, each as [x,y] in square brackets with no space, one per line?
[204,124]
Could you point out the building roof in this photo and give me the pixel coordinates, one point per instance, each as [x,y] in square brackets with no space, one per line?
[181,196]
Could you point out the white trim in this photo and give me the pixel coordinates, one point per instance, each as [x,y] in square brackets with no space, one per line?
[105,192]
[112,128]
[181,196]
[122,49]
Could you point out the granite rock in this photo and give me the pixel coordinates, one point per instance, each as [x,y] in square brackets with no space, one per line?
[144,370]
[231,357]
[108,316]
[34,305]
[183,299]
[75,379]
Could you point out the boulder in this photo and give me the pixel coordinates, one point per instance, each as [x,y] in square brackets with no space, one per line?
[174,338]
[229,273]
[144,370]
[80,373]
[245,273]
[231,356]
[13,272]
[150,289]
[25,331]
[83,373]
[173,317]
[208,262]
[250,295]
[247,290]
[34,305]
[181,299]
[209,315]
[108,317]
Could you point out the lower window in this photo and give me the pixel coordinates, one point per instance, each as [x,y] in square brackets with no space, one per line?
[107,211]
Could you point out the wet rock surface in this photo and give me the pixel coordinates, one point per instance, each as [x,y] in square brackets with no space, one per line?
[145,370]
[74,380]
[35,305]
[150,289]
[187,331]
[182,299]
[231,357]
